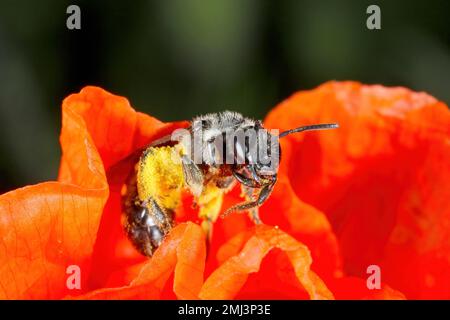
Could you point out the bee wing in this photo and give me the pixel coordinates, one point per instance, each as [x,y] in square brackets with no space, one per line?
[164,141]
[192,175]
[120,170]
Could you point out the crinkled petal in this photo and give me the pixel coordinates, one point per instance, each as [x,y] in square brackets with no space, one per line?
[231,276]
[381,178]
[183,252]
[305,223]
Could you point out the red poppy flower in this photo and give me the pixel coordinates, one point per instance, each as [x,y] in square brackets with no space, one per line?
[374,192]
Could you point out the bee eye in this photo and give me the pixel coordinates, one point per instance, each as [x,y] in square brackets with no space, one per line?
[210,153]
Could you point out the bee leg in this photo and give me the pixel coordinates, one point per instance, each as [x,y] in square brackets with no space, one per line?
[254,215]
[265,193]
[240,207]
[192,175]
[253,212]
[262,197]
[246,181]
[159,223]
[254,174]
[252,205]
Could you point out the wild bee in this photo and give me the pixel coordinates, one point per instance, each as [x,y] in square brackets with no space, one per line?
[207,159]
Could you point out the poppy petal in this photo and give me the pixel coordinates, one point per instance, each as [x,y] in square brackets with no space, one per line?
[381,178]
[226,281]
[182,252]
[48,227]
[305,223]
[352,288]
[115,128]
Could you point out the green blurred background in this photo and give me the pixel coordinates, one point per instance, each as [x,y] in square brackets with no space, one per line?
[178,58]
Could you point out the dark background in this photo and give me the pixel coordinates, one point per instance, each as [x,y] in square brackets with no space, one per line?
[178,58]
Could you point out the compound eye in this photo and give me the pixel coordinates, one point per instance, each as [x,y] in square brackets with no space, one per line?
[212,152]
[268,163]
[209,153]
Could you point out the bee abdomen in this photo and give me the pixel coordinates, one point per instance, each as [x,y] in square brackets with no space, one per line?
[147,226]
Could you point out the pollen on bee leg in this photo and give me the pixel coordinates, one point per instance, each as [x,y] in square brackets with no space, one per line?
[247,193]
[210,203]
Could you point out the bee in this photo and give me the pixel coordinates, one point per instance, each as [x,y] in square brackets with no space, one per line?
[207,159]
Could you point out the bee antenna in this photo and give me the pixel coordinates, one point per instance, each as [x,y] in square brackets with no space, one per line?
[322,126]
